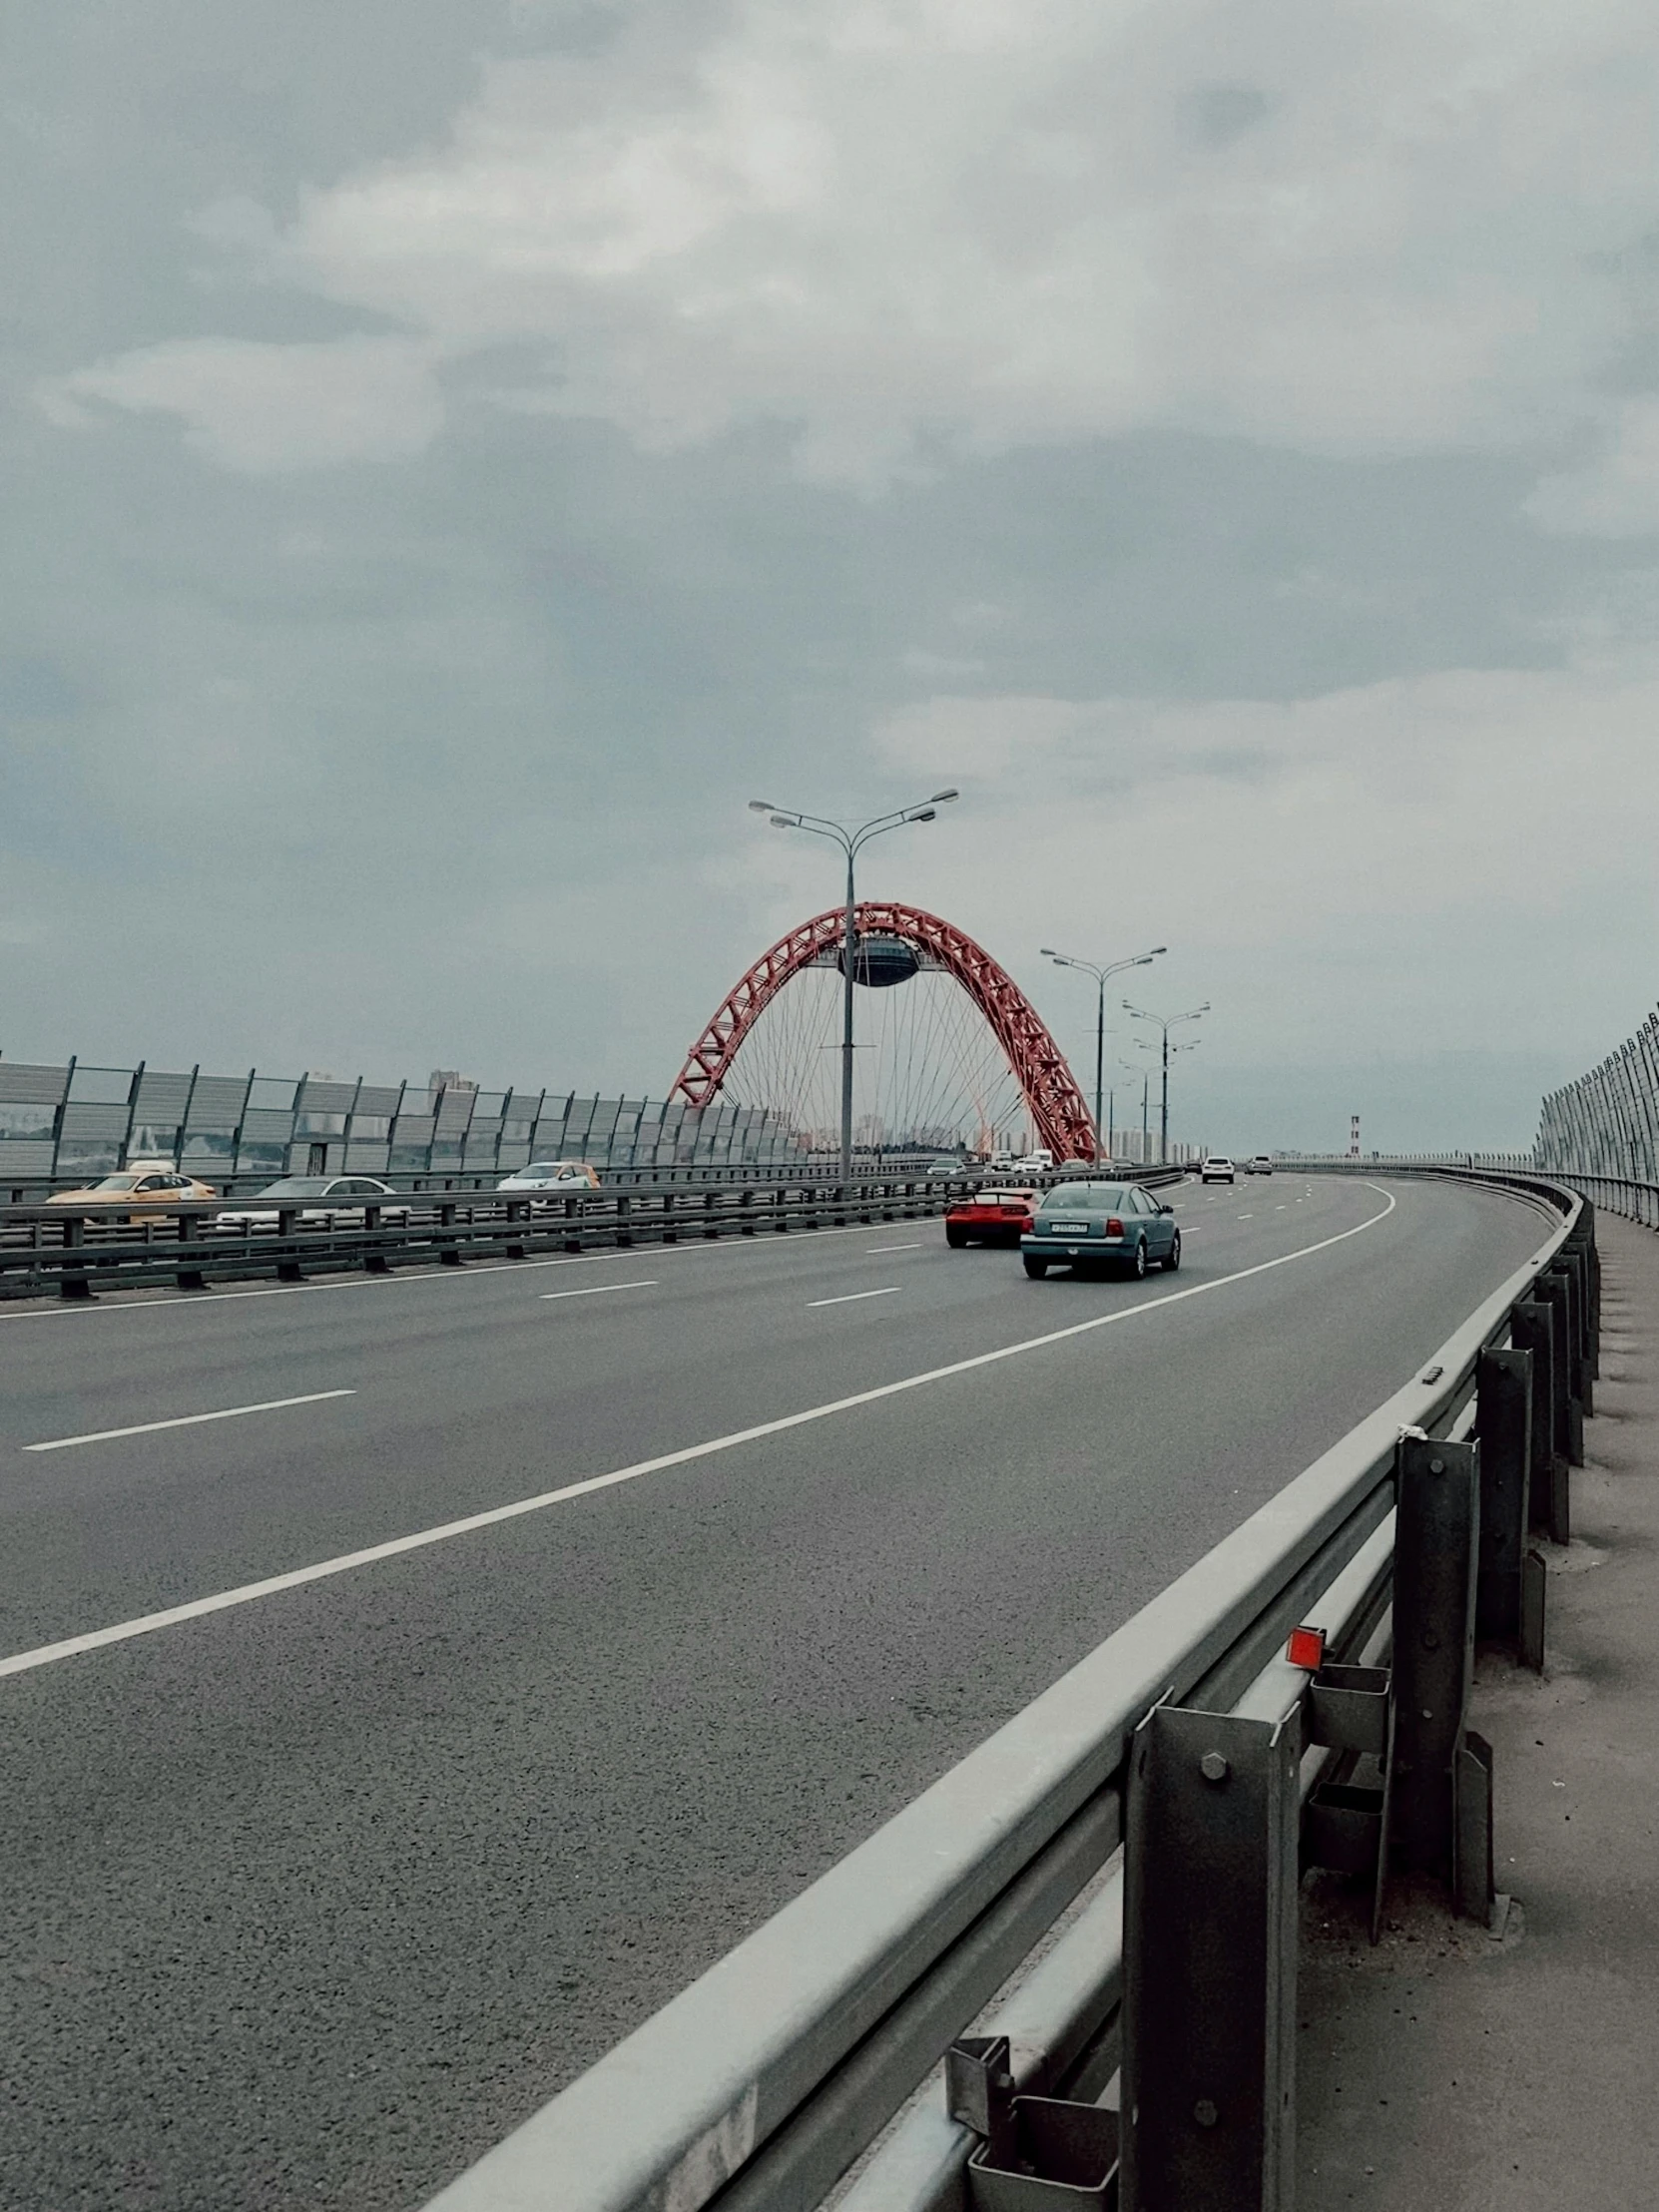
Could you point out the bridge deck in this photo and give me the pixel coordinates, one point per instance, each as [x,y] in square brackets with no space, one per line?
[316,1895]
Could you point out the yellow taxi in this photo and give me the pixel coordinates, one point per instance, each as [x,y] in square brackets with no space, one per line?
[139,1179]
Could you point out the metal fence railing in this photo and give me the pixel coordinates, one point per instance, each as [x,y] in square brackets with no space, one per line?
[1185,1769]
[1606,1123]
[64,1125]
[61,1124]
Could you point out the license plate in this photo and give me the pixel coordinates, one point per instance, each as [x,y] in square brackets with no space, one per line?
[1068,1227]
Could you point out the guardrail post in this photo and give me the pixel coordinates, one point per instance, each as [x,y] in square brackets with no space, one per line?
[449,1251]
[287,1271]
[1208,1940]
[1570,1267]
[1439,1817]
[1555,1286]
[188,1275]
[746,1213]
[624,1212]
[1503,1385]
[74,1283]
[1532,1329]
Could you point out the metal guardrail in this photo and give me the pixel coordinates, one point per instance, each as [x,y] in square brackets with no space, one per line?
[1189,1733]
[74,1252]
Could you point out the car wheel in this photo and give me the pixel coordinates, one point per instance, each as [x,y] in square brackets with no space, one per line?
[1035,1269]
[955,1239]
[1173,1260]
[1137,1266]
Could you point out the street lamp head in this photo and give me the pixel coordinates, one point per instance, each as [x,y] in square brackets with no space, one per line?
[926,815]
[761,806]
[1156,949]
[940,799]
[785,821]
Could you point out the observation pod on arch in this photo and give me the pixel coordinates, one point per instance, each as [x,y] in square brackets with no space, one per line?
[897,943]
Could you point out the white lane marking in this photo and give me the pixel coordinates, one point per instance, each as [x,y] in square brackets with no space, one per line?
[848,1298]
[598,1290]
[187,1420]
[96,1639]
[872,1249]
[1280,1208]
[1247,1217]
[711,1247]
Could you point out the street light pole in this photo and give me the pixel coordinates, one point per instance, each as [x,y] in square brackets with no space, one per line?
[1159,1022]
[847,1027]
[851,841]
[1112,967]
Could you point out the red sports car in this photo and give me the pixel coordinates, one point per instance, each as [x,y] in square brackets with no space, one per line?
[992,1217]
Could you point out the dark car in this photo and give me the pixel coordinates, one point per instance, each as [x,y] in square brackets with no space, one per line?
[1089,1226]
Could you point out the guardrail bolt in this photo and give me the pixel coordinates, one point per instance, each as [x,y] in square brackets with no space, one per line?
[1204,2113]
[1213,1767]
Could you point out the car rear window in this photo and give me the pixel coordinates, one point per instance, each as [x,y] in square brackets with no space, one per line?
[1085,1198]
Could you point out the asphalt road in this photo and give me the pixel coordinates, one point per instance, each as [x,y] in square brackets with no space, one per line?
[310,1898]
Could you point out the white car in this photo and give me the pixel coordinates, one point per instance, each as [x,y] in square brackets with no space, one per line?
[551,1175]
[1216,1169]
[1262,1164]
[316,1201]
[1039,1161]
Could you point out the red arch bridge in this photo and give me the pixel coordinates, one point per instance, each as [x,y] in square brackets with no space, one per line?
[950,1050]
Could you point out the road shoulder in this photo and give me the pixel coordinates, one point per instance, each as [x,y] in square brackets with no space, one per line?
[1452,2069]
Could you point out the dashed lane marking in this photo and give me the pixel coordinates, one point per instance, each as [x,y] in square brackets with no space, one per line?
[187,1420]
[598,1290]
[850,1298]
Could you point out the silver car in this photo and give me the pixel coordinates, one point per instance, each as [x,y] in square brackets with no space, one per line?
[317,1202]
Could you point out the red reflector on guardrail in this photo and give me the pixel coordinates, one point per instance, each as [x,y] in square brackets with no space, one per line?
[1307,1648]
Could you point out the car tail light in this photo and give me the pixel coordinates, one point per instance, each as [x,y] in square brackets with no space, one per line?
[1114,1227]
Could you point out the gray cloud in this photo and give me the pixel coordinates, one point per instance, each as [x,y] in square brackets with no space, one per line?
[391,630]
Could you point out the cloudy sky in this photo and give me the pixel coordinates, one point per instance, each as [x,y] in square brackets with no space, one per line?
[457,452]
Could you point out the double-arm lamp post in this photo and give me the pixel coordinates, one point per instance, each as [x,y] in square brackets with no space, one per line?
[851,839]
[1158,1022]
[1112,967]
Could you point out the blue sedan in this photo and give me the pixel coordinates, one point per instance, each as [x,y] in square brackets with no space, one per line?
[1096,1224]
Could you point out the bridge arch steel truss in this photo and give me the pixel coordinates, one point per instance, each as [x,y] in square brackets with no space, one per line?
[1058,1108]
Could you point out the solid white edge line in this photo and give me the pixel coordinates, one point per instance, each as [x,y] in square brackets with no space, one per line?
[45,1655]
[872,1249]
[187,1420]
[598,1290]
[850,1298]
